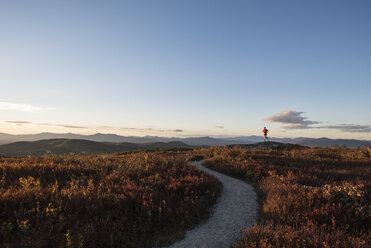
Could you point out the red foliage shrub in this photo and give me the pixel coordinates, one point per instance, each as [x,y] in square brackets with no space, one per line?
[135,200]
[314,197]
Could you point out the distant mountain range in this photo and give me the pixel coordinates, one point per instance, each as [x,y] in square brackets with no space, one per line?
[193,141]
[79,146]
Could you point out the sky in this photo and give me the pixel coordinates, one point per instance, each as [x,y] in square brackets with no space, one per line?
[186,68]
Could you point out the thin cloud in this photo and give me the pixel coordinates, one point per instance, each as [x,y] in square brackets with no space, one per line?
[297,126]
[174,130]
[146,129]
[168,130]
[218,127]
[134,128]
[22,107]
[295,120]
[70,126]
[44,124]
[292,120]
[354,128]
[18,122]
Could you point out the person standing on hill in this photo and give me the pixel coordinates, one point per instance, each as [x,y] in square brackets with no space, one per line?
[265,131]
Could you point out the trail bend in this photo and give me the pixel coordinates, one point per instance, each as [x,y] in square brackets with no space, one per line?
[234,210]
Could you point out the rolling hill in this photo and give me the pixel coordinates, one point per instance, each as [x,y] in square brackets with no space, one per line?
[191,141]
[78,146]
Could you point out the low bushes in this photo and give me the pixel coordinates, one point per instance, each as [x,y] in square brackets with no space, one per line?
[314,197]
[134,200]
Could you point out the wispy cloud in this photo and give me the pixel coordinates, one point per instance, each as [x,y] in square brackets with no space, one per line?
[70,126]
[295,120]
[43,124]
[150,129]
[18,122]
[173,130]
[355,128]
[22,107]
[292,120]
[60,125]
[219,127]
[145,129]
[134,128]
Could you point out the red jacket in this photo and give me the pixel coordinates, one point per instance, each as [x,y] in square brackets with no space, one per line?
[265,131]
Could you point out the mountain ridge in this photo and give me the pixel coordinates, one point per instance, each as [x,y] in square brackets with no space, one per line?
[192,141]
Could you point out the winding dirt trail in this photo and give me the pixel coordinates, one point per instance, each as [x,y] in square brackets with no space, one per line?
[234,210]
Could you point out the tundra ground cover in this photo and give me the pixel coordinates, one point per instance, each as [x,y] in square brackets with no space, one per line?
[310,197]
[133,200]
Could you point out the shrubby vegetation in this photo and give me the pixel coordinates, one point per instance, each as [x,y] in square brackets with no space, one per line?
[132,200]
[310,197]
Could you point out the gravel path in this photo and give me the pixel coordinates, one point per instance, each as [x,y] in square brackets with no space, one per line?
[234,210]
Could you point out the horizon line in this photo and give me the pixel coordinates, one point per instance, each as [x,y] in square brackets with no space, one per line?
[186,136]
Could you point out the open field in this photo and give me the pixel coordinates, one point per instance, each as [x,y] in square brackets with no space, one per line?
[310,197]
[133,200]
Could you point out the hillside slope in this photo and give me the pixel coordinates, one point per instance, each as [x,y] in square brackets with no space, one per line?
[77,146]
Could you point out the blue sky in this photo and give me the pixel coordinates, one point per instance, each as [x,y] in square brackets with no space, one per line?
[185,68]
